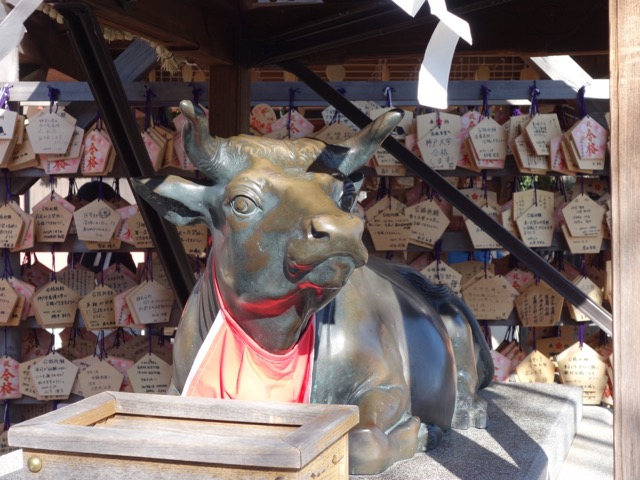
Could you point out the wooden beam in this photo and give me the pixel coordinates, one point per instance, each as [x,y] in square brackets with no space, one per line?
[225,81]
[132,64]
[229,100]
[625,191]
[47,44]
[203,34]
[114,108]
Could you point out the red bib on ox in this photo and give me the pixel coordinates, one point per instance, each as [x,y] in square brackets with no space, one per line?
[232,365]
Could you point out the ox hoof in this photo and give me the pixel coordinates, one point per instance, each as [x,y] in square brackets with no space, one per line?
[471,411]
[432,436]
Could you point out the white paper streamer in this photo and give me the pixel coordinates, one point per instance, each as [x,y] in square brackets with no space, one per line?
[458,25]
[433,78]
[436,65]
[11,28]
[410,6]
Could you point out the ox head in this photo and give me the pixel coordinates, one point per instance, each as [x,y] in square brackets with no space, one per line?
[280,212]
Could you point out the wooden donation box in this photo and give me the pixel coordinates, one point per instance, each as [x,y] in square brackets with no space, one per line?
[116,435]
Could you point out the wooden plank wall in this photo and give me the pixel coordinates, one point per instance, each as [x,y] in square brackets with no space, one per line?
[624,17]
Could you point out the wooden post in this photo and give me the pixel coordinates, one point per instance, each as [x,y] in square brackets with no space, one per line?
[625,186]
[229,100]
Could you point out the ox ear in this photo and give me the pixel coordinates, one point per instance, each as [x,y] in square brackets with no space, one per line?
[178,200]
[363,144]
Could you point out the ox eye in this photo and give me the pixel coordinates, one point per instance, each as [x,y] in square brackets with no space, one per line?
[243,205]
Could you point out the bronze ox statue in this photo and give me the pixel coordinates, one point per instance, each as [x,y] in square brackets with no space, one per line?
[287,255]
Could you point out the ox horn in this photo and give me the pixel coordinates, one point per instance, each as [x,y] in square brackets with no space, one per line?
[201,148]
[363,145]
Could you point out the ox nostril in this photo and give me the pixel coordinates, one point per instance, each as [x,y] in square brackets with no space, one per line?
[318,233]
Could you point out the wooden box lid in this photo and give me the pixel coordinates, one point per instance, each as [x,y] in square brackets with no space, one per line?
[209,431]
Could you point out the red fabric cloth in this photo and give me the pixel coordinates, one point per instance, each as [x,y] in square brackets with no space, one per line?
[232,365]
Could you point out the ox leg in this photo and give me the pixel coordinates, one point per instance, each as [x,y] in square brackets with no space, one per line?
[386,433]
[470,410]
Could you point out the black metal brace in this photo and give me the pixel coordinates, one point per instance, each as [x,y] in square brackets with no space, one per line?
[106,86]
[537,264]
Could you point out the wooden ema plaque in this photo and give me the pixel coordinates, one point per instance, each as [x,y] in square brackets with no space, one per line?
[8,120]
[502,366]
[53,377]
[583,217]
[19,311]
[51,132]
[138,348]
[520,279]
[79,279]
[398,170]
[96,221]
[261,118]
[488,142]
[479,197]
[591,290]
[115,435]
[490,298]
[150,374]
[442,274]
[439,140]
[7,147]
[97,153]
[194,238]
[98,377]
[8,301]
[523,201]
[515,126]
[581,365]
[121,310]
[139,233]
[26,239]
[112,244]
[536,227]
[330,113]
[390,231]
[295,125]
[385,159]
[82,364]
[97,308]
[479,238]
[540,130]
[11,225]
[387,224]
[150,302]
[539,306]
[590,141]
[527,160]
[73,150]
[506,219]
[55,305]
[9,378]
[27,387]
[468,120]
[335,133]
[536,368]
[428,223]
[117,277]
[52,220]
[591,244]
[562,339]
[23,157]
[558,161]
[470,269]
